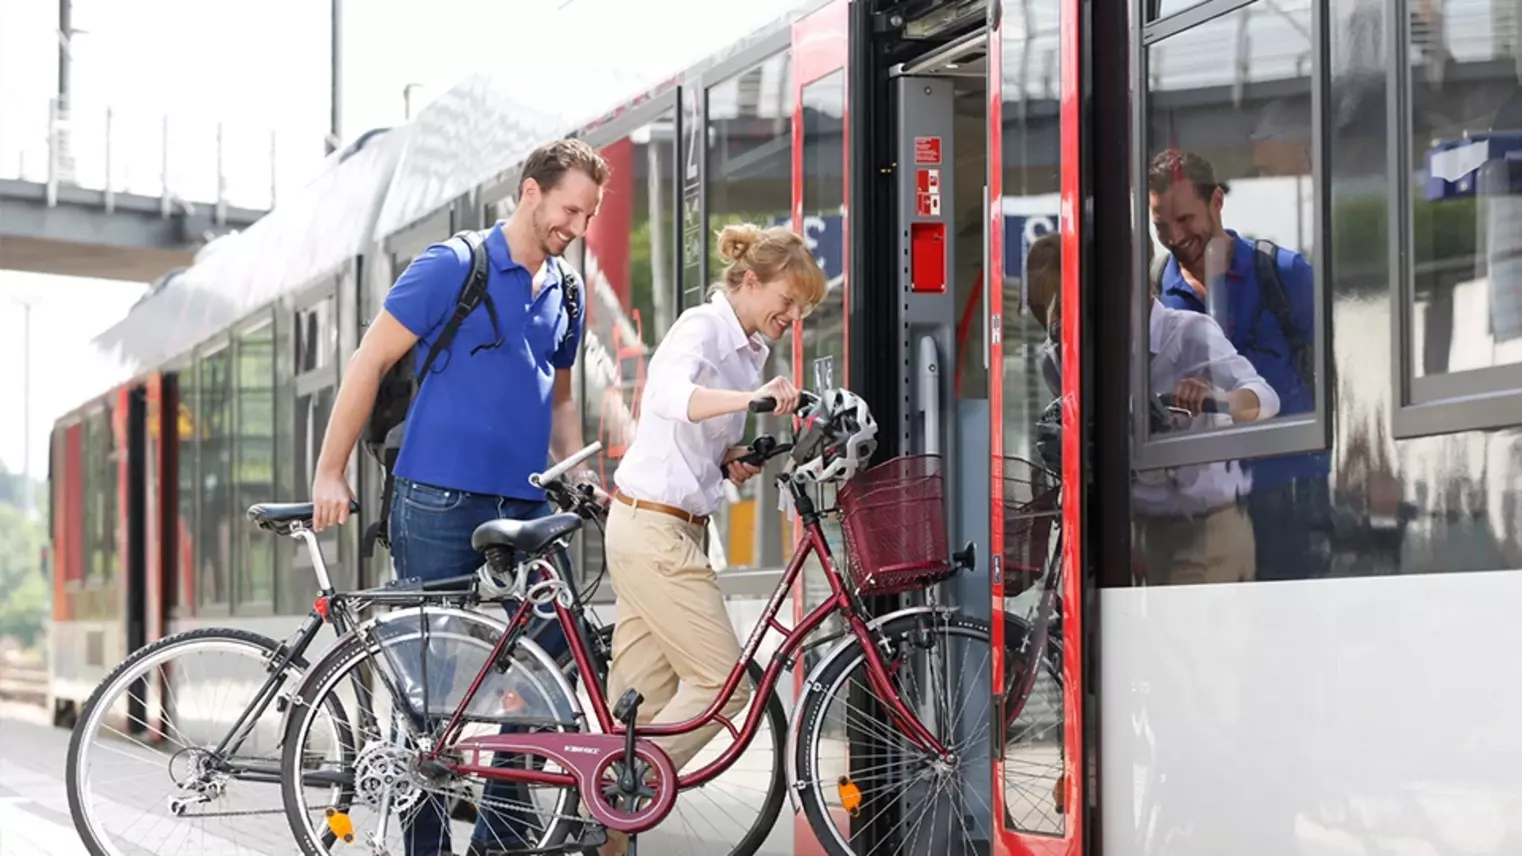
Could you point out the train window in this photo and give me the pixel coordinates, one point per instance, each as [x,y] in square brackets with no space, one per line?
[189,476]
[630,270]
[1461,295]
[749,171]
[253,471]
[215,520]
[102,561]
[1228,289]
[316,336]
[748,177]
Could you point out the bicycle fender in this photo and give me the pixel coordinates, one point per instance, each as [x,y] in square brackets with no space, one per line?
[810,686]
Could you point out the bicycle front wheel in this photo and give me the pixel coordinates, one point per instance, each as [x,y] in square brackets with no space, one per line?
[177,750]
[864,786]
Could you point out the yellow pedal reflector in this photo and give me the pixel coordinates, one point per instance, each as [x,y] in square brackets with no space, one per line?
[340,824]
[850,795]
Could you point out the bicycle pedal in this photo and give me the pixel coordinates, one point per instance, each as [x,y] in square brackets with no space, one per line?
[628,706]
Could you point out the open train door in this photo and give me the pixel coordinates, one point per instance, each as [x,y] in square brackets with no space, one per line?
[1033,256]
[820,188]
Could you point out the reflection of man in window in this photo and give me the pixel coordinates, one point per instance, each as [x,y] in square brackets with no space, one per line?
[1214,270]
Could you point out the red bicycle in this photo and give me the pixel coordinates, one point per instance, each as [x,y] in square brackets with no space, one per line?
[907,692]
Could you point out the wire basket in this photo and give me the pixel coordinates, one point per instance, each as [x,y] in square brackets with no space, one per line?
[894,519]
[1030,509]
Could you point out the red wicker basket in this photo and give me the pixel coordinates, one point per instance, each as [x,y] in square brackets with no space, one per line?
[1030,509]
[895,526]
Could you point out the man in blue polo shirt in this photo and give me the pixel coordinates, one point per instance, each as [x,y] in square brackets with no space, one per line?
[495,406]
[1214,270]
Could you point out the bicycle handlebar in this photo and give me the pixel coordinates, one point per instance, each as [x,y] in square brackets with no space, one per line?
[554,473]
[1211,404]
[768,403]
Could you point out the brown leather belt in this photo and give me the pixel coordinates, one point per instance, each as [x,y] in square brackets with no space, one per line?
[671,510]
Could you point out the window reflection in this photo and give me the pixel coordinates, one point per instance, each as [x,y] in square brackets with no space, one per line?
[630,275]
[824,329]
[213,519]
[749,178]
[1032,747]
[1230,197]
[188,463]
[1466,229]
[253,473]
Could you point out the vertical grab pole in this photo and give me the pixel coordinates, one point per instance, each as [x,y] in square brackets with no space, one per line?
[929,403]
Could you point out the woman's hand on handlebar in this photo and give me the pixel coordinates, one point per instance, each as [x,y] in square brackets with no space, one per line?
[1191,395]
[585,480]
[781,390]
[737,470]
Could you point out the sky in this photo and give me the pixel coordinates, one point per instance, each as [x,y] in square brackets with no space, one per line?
[259,68]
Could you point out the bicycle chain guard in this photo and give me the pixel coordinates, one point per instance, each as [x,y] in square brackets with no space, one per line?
[589,758]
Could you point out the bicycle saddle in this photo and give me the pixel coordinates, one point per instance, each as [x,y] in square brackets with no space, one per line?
[280,516]
[528,536]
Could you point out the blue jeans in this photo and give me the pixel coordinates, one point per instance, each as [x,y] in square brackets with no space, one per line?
[430,539]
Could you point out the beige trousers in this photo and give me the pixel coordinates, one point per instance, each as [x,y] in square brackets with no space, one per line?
[673,641]
[1216,547]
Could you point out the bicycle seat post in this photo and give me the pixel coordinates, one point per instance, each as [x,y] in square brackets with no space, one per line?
[319,567]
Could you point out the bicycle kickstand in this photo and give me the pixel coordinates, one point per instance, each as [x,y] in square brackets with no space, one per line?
[627,712]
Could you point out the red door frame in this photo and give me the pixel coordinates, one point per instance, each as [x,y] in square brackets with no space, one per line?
[820,47]
[1010,842]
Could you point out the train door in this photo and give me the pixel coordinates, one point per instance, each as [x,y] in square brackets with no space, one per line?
[1030,76]
[939,101]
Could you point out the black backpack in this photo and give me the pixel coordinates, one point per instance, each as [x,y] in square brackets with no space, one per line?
[1271,297]
[383,433]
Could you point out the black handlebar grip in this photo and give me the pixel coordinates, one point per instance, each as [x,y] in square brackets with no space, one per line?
[1210,404]
[764,404]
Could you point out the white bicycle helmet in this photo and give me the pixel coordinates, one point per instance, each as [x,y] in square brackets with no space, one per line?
[846,440]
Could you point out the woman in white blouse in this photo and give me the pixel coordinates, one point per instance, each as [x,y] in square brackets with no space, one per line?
[673,641]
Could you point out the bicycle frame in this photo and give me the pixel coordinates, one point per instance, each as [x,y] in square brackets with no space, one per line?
[841,599]
[291,649]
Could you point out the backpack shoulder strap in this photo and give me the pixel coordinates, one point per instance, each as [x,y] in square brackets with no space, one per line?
[570,296]
[472,294]
[1271,288]
[1271,296]
[1159,264]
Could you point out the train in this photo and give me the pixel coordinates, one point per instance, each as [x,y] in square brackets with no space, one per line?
[1348,692]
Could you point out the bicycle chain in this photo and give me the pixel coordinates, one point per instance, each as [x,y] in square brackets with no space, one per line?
[248,813]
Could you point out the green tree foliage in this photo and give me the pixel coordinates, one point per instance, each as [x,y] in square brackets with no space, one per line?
[24,598]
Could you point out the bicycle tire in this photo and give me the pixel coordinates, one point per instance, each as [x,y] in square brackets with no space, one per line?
[106,689]
[820,692]
[339,660]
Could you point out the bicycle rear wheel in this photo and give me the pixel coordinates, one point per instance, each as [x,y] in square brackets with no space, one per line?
[162,714]
[430,654]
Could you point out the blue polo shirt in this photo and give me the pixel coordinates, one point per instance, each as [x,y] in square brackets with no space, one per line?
[1237,299]
[481,422]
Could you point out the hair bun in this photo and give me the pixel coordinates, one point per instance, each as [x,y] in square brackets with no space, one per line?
[737,240]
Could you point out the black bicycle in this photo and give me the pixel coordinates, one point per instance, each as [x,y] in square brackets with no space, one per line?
[208,737]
